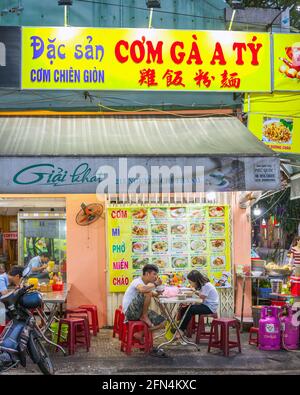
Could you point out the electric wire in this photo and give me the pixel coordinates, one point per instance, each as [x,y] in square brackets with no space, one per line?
[171,12]
[270,208]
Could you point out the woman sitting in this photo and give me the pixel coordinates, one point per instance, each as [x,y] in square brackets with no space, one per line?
[207,292]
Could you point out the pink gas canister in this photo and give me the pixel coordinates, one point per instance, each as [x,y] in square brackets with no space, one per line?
[269,329]
[289,331]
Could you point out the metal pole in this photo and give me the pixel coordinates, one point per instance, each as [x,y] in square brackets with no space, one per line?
[66,19]
[150,18]
[232,18]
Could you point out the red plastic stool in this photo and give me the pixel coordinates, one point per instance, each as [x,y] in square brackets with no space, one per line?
[191,328]
[94,324]
[253,340]
[223,342]
[74,326]
[201,333]
[2,327]
[128,341]
[116,328]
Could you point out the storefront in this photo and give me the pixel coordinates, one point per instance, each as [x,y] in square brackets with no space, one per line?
[142,166]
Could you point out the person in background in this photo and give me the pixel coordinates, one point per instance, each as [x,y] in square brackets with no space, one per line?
[38,265]
[4,282]
[207,292]
[295,255]
[14,278]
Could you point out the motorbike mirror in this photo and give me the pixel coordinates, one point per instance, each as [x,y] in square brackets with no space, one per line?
[26,272]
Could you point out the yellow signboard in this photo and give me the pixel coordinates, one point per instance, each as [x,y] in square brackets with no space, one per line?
[176,238]
[286,62]
[273,119]
[145,59]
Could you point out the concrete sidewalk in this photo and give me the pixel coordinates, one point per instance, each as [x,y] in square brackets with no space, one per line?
[105,357]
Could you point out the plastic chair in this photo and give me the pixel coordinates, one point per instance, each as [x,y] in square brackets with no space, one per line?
[223,343]
[74,326]
[128,342]
[94,323]
[116,328]
[253,340]
[201,333]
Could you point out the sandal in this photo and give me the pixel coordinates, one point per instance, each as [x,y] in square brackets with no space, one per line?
[159,353]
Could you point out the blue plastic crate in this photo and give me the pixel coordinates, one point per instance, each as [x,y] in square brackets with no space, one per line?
[264,292]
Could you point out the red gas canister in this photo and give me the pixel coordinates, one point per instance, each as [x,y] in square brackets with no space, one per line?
[295,286]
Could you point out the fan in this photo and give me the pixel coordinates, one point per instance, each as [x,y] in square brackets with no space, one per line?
[89,214]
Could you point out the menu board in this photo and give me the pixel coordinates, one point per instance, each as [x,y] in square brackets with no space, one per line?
[176,238]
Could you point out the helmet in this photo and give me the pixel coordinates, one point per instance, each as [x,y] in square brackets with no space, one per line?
[31,300]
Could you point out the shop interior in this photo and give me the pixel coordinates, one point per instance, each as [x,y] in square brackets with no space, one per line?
[29,227]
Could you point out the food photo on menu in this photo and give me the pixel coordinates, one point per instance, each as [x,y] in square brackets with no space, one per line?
[217,261]
[139,214]
[198,245]
[179,245]
[216,211]
[198,213]
[160,246]
[159,213]
[198,228]
[139,262]
[179,262]
[199,261]
[159,229]
[178,212]
[178,229]
[217,228]
[139,246]
[140,230]
[161,262]
[217,244]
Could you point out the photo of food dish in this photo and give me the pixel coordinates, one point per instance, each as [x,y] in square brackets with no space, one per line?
[138,263]
[139,214]
[199,213]
[216,211]
[179,262]
[217,227]
[159,213]
[160,262]
[198,245]
[138,246]
[277,131]
[160,246]
[198,229]
[140,230]
[217,245]
[217,261]
[199,261]
[178,229]
[159,229]
[179,245]
[179,212]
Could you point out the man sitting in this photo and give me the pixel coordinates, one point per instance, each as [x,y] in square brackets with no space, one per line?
[14,278]
[138,296]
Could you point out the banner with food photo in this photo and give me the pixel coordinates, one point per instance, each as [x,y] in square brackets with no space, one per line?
[176,238]
[286,62]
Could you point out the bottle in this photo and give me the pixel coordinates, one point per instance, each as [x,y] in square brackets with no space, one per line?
[2,314]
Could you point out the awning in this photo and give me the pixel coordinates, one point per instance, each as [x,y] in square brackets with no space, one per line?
[127,136]
[132,154]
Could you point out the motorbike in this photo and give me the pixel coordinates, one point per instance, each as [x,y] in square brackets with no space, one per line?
[22,336]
